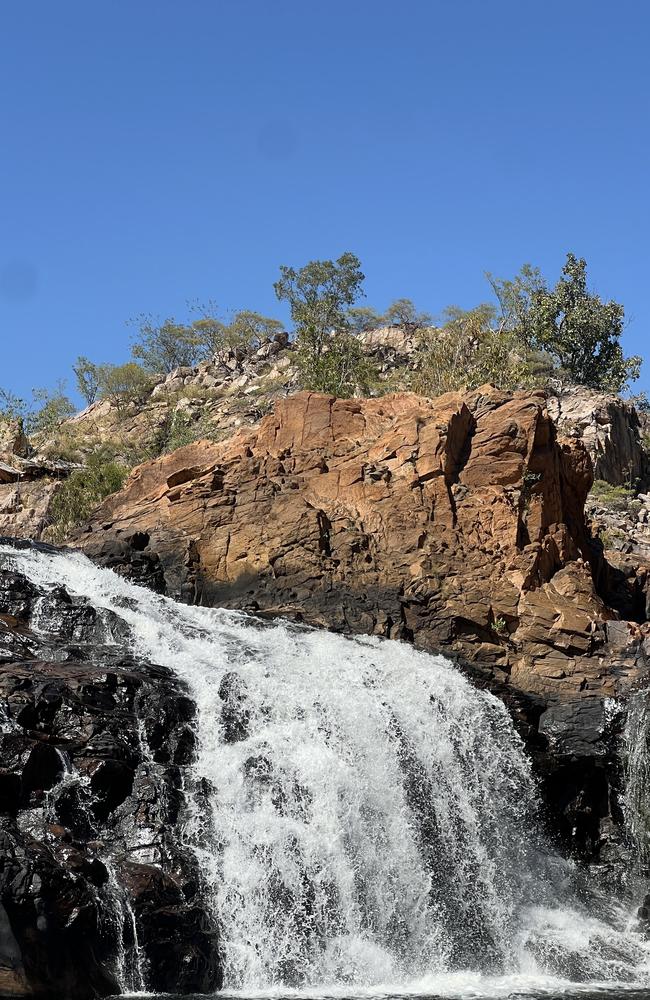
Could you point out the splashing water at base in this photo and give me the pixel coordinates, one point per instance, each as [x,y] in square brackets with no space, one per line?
[363,814]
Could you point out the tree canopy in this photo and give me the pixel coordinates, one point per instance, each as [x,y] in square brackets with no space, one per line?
[320,295]
[581,332]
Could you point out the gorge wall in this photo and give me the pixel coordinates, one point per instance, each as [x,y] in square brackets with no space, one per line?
[456,523]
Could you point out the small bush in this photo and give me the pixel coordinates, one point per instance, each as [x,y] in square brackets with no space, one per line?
[614,497]
[82,491]
[12,407]
[52,408]
[500,626]
[182,430]
[341,368]
[123,384]
[611,538]
[47,409]
[468,351]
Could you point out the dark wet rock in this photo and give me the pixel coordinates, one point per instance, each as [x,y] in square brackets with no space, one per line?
[144,565]
[581,777]
[93,747]
[55,941]
[44,767]
[162,910]
[16,595]
[575,727]
[235,714]
[110,784]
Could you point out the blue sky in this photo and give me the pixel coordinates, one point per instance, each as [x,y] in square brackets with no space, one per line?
[155,152]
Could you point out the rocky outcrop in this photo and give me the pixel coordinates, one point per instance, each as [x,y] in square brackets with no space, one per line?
[455,523]
[610,429]
[13,440]
[96,888]
[235,389]
[28,483]
[25,506]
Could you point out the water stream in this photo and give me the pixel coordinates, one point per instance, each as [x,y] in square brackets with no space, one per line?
[370,817]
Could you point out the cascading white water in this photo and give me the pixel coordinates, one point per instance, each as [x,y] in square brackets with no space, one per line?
[637,785]
[366,815]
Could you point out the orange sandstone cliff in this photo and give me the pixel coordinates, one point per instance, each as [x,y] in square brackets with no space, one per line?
[456,523]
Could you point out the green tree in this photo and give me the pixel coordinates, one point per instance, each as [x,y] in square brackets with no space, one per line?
[51,408]
[164,346]
[320,294]
[364,318]
[122,384]
[246,329]
[516,298]
[581,332]
[45,411]
[402,312]
[212,335]
[87,378]
[251,328]
[12,407]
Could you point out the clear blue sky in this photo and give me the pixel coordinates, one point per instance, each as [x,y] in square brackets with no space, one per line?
[159,151]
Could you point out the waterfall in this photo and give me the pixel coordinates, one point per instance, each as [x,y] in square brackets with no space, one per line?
[636,739]
[362,814]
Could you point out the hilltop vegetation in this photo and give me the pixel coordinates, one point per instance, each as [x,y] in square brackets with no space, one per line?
[204,376]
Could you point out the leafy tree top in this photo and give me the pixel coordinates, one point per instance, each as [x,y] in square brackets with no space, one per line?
[581,332]
[320,295]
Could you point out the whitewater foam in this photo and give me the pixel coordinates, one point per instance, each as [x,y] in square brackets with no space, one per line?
[371,816]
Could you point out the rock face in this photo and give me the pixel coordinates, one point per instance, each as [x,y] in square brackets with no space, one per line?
[455,523]
[93,749]
[24,507]
[610,429]
[28,483]
[235,389]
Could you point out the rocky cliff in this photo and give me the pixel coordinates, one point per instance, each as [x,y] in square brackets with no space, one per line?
[236,389]
[611,430]
[456,522]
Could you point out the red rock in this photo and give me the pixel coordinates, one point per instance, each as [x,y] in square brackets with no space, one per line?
[455,522]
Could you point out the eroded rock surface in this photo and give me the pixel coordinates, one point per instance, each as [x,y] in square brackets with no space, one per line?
[93,749]
[455,523]
[610,429]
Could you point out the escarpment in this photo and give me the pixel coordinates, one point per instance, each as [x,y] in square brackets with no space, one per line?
[454,523]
